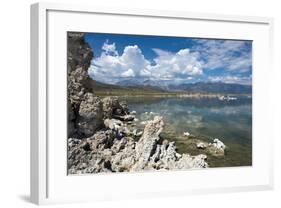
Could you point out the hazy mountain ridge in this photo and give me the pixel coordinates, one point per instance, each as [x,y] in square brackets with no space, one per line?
[100,86]
[148,83]
[198,87]
[212,87]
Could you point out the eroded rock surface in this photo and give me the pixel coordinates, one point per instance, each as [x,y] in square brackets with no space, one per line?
[216,148]
[110,106]
[104,152]
[79,56]
[90,115]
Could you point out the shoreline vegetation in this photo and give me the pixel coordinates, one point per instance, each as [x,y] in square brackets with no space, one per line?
[105,136]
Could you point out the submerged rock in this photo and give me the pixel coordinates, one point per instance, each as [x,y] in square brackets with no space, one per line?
[133,112]
[201,145]
[219,144]
[217,148]
[187,134]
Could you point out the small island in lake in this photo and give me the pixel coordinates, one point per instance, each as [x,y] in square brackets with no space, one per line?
[133,106]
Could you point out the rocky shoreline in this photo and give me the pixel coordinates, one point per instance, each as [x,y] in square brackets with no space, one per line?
[102,136]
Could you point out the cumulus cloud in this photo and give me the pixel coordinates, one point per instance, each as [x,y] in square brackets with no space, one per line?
[192,64]
[110,67]
[109,49]
[182,64]
[128,73]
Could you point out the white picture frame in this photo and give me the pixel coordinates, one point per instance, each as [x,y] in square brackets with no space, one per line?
[49,186]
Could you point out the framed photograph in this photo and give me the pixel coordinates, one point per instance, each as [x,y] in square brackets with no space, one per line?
[138,103]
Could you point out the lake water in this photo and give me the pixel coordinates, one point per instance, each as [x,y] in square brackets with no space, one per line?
[206,119]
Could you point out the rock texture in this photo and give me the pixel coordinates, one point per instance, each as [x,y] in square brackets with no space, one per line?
[79,56]
[110,106]
[146,147]
[201,145]
[216,148]
[86,111]
[90,115]
[104,152]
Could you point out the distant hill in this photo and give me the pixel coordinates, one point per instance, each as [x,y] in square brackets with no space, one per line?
[151,86]
[104,88]
[212,87]
[199,87]
[148,83]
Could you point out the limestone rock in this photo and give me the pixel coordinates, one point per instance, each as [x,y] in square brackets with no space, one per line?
[92,155]
[110,104]
[194,162]
[105,152]
[219,144]
[152,154]
[113,124]
[187,134]
[133,112]
[71,119]
[148,141]
[217,148]
[79,56]
[79,53]
[125,157]
[128,117]
[124,107]
[201,145]
[90,115]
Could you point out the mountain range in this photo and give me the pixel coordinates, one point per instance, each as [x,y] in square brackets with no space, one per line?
[198,87]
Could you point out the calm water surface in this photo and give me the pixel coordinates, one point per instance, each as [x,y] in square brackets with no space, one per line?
[205,118]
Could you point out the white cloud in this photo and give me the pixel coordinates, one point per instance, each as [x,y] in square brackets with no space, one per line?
[111,67]
[227,54]
[182,64]
[109,48]
[161,52]
[132,58]
[188,64]
[128,73]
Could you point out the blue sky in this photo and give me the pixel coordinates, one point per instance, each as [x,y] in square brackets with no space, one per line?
[171,60]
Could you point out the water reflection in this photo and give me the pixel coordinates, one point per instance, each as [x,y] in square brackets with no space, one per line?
[231,121]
